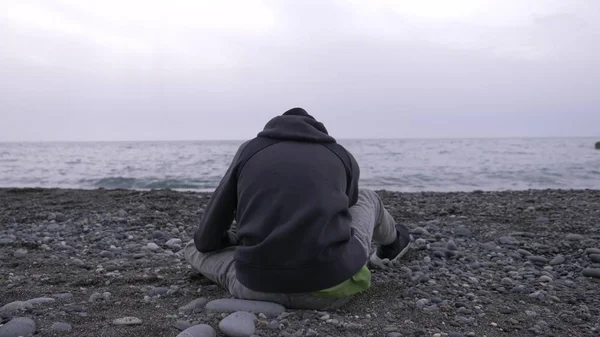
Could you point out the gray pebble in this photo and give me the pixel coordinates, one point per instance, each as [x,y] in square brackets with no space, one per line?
[158,291]
[238,324]
[545,278]
[595,258]
[19,326]
[63,297]
[95,297]
[422,303]
[590,251]
[506,281]
[538,260]
[462,231]
[20,252]
[107,254]
[451,245]
[12,308]
[195,305]
[130,320]
[394,334]
[420,231]
[153,246]
[559,259]
[200,330]
[181,325]
[455,334]
[591,272]
[59,326]
[508,240]
[575,237]
[524,252]
[273,325]
[233,305]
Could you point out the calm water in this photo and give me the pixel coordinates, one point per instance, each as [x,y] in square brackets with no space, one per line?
[400,165]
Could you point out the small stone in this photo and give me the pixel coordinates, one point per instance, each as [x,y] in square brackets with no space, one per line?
[311,333]
[273,325]
[232,305]
[595,258]
[591,272]
[173,242]
[20,252]
[524,252]
[63,297]
[238,324]
[508,240]
[538,260]
[95,297]
[130,320]
[420,231]
[59,326]
[158,291]
[200,330]
[13,307]
[422,303]
[575,237]
[195,305]
[455,334]
[18,326]
[462,231]
[40,300]
[153,246]
[506,281]
[181,325]
[590,251]
[559,259]
[107,254]
[545,278]
[451,245]
[426,259]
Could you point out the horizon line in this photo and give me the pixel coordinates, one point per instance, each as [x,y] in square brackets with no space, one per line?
[338,139]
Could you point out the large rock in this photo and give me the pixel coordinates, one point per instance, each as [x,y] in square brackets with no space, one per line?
[269,309]
[597,145]
[19,326]
[238,324]
[13,308]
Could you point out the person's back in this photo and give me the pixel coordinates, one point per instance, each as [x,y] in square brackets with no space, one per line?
[293,193]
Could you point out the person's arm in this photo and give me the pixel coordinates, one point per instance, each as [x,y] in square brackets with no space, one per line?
[213,231]
[355,169]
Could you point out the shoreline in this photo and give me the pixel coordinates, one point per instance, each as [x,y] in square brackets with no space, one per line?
[493,263]
[210,191]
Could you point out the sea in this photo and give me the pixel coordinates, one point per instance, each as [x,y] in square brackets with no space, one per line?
[405,165]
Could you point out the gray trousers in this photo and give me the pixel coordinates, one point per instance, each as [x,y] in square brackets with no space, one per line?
[371,222]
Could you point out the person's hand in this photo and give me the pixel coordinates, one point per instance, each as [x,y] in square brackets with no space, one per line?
[230,238]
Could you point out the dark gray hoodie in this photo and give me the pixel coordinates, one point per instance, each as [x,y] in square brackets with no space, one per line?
[290,199]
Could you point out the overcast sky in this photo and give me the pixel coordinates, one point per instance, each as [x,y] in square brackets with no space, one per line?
[194,69]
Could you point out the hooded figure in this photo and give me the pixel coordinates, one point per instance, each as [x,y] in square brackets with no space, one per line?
[303,229]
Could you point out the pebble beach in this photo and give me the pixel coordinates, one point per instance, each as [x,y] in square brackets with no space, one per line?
[110,263]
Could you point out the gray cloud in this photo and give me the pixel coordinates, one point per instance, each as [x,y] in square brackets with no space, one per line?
[76,73]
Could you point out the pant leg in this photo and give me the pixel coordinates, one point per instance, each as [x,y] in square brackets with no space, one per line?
[371,221]
[219,267]
[216,266]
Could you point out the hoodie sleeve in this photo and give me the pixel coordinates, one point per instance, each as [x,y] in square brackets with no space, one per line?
[213,231]
[353,194]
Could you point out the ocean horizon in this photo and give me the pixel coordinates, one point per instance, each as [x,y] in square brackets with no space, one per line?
[402,164]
